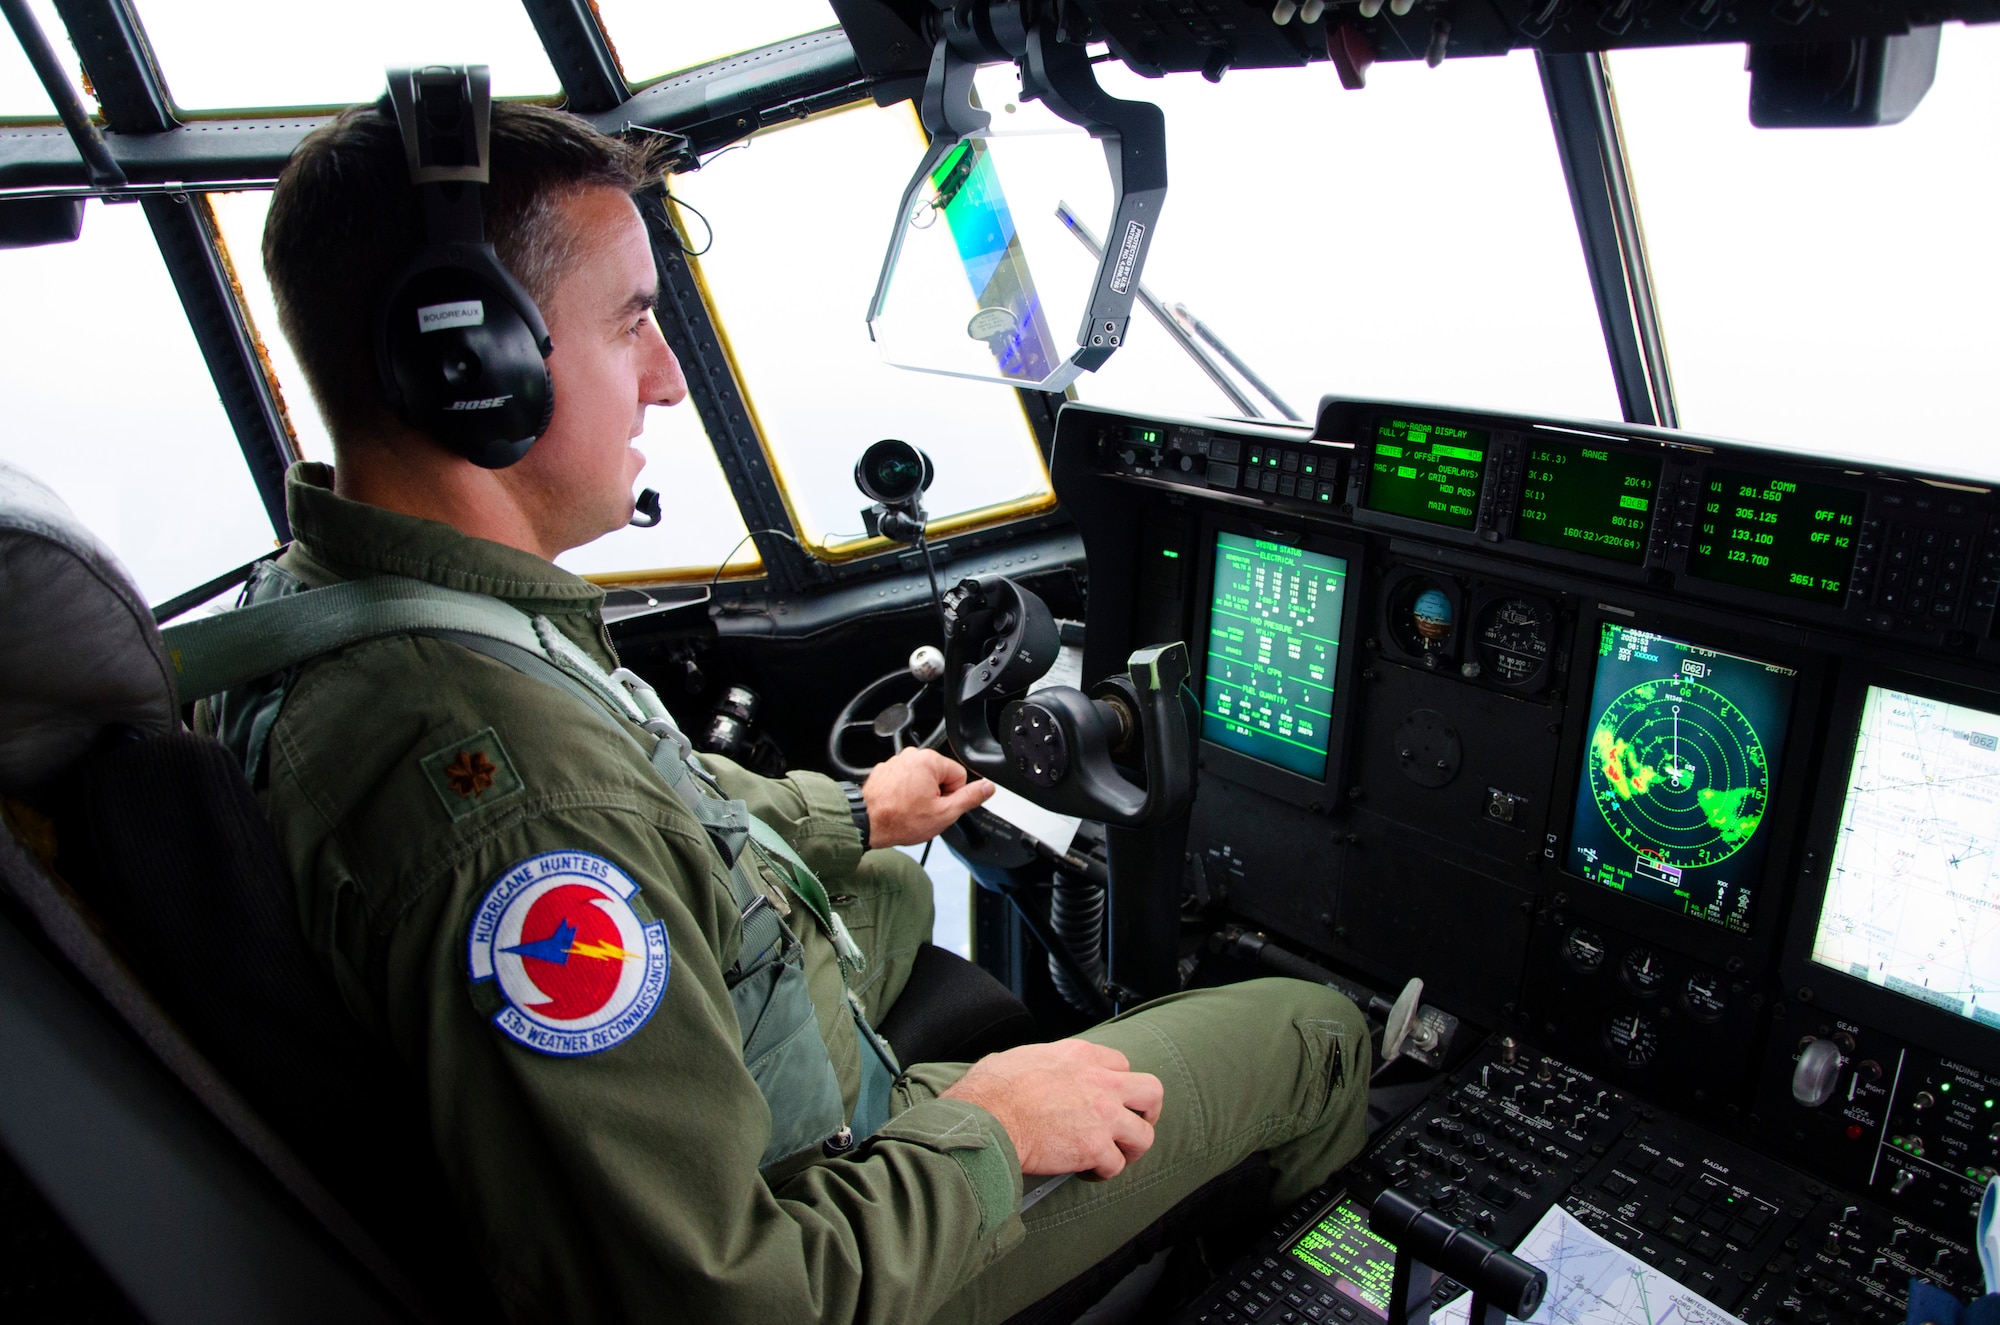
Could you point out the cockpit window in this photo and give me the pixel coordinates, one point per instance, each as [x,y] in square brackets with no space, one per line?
[1411,239]
[323,53]
[799,219]
[1817,285]
[653,39]
[701,520]
[110,403]
[20,91]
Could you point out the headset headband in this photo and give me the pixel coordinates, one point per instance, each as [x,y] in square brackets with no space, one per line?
[445,113]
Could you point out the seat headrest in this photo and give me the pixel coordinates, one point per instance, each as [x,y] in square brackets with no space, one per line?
[81,651]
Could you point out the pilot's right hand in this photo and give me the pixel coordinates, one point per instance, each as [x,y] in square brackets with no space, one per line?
[1069,1107]
[916,795]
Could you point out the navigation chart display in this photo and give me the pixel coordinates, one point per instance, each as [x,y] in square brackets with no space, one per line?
[1273,639]
[1684,744]
[1427,471]
[1913,894]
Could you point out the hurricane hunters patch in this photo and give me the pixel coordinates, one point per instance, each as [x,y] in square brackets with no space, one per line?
[472,773]
[577,970]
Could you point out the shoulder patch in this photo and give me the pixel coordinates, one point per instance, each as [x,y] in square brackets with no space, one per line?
[471,773]
[576,969]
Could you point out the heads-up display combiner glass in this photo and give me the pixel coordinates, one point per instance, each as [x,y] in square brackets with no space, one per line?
[1273,642]
[1683,751]
[1912,900]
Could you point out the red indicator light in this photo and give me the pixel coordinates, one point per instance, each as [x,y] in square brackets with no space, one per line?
[1854,1131]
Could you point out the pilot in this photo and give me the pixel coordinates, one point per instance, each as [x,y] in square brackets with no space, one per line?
[623,977]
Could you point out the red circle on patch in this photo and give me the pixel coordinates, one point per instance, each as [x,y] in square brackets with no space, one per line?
[578,976]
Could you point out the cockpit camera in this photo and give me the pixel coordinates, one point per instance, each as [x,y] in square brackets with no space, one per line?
[893,474]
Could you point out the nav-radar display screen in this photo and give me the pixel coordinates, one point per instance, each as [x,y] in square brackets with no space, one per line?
[1913,893]
[1426,471]
[1683,752]
[1273,639]
[1588,499]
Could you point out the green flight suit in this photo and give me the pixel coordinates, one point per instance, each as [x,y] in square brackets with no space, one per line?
[407,776]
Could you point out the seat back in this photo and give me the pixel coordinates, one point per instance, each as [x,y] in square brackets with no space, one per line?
[162,840]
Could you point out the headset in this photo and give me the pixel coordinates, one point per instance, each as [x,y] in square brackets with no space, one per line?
[460,346]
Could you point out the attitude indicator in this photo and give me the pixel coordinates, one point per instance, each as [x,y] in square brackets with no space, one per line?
[1678,772]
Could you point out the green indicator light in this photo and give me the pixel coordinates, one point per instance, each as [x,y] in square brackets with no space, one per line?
[1170,554]
[1945,1086]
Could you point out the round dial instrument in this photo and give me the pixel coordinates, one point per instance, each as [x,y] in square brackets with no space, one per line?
[1423,618]
[1643,973]
[1679,773]
[1632,1038]
[1514,638]
[1584,949]
[1705,996]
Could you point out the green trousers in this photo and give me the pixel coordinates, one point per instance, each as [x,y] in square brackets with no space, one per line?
[1279,1066]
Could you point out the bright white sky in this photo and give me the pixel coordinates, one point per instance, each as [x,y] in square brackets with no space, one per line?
[1827,290]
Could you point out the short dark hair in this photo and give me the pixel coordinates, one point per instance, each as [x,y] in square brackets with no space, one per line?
[344,219]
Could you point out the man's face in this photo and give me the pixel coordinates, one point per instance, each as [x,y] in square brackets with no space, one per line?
[610,363]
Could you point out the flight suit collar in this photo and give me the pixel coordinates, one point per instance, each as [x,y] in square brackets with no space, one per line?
[348,540]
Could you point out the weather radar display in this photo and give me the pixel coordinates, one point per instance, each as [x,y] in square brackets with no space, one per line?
[1683,751]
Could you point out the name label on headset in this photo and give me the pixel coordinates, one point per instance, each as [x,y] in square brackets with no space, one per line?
[488,402]
[462,313]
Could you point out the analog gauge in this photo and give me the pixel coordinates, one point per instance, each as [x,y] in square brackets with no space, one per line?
[1705,996]
[1643,973]
[1514,638]
[1584,949]
[1423,619]
[1632,1038]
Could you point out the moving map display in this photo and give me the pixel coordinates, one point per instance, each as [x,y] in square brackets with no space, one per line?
[1683,748]
[1427,471]
[1913,895]
[1273,639]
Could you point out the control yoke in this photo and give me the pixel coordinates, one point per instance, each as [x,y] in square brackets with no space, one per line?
[1056,747]
[1059,748]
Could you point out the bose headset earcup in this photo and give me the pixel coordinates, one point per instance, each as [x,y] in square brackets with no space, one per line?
[460,347]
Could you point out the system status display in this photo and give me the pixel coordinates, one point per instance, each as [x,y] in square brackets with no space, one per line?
[1273,640]
[1778,535]
[1427,471]
[1341,1248]
[1588,499]
[1684,743]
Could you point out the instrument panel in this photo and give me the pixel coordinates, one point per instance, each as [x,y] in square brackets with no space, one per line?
[1675,755]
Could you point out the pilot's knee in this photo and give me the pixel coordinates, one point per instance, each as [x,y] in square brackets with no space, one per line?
[1331,1037]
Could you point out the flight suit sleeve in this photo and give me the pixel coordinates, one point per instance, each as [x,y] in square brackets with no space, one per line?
[807,809]
[621,1182]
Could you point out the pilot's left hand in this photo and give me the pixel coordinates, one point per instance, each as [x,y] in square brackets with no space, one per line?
[915,795]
